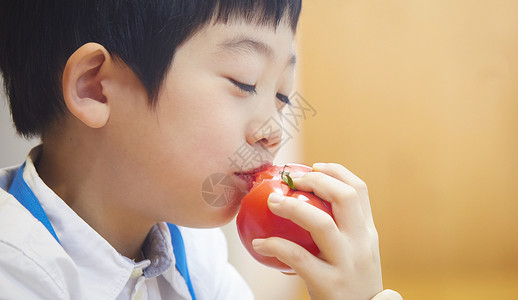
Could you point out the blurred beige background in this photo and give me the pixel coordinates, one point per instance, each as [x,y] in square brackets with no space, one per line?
[420,99]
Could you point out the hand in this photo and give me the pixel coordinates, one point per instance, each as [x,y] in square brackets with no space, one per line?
[348,265]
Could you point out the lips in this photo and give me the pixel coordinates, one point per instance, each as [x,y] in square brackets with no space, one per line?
[248,177]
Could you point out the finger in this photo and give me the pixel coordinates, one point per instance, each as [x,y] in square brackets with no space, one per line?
[344,199]
[305,264]
[321,226]
[343,174]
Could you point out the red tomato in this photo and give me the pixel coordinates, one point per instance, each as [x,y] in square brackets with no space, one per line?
[255,220]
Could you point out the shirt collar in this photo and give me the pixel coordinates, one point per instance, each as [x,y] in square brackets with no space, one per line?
[99,264]
[157,249]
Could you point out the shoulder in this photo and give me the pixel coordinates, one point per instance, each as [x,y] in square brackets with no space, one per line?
[32,262]
[16,223]
[7,176]
[18,227]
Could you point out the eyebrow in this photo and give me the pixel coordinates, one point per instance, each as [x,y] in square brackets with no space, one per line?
[247,45]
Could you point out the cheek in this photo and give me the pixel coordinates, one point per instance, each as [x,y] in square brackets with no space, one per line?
[203,125]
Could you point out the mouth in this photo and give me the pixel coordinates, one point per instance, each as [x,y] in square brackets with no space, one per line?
[248,177]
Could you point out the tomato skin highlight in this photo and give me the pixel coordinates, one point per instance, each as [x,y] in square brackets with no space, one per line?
[255,220]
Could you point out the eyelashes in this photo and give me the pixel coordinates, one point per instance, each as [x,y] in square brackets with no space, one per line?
[244,87]
[251,89]
[284,98]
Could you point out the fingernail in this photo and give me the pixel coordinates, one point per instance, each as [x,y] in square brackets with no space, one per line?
[256,243]
[297,174]
[318,166]
[276,198]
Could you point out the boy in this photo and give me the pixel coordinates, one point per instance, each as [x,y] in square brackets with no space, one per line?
[137,103]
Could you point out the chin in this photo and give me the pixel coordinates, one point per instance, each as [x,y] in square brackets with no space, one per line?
[211,217]
[221,216]
[221,202]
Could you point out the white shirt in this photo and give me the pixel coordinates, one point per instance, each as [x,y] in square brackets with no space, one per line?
[33,265]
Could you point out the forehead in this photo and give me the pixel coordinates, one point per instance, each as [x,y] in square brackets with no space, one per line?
[245,38]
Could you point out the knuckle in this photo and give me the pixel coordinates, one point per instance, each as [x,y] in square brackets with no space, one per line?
[326,224]
[372,235]
[318,177]
[293,207]
[291,203]
[360,185]
[348,192]
[298,255]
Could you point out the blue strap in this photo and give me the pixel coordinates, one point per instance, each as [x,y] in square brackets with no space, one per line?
[179,254]
[21,191]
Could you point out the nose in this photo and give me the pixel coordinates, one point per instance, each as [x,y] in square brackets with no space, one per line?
[266,133]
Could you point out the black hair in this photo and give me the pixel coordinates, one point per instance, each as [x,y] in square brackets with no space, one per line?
[38,36]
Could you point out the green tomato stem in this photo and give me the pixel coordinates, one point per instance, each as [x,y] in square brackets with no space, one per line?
[285,176]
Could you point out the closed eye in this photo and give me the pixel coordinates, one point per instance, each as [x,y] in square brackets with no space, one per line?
[284,99]
[247,88]
[251,89]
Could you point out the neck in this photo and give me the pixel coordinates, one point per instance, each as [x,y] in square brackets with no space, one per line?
[77,173]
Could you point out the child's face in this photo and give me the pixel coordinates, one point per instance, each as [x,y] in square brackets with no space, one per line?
[209,120]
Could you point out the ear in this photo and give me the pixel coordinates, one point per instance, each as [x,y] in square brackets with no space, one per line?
[83,88]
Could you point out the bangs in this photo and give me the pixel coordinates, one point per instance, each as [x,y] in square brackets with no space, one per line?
[263,12]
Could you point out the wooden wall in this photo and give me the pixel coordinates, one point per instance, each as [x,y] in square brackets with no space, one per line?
[420,99]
